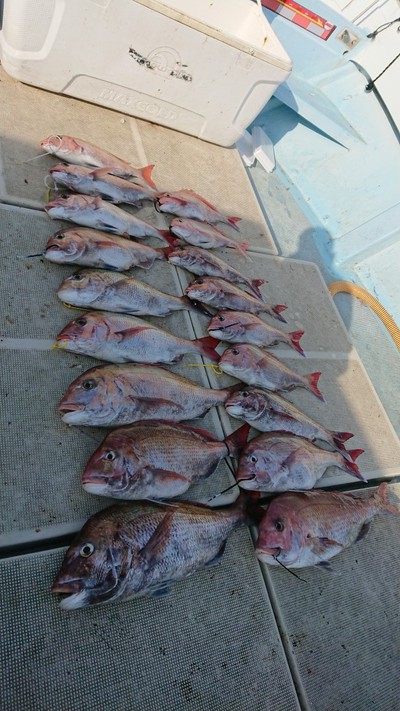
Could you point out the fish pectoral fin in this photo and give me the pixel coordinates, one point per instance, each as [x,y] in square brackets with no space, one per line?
[166,474]
[100,173]
[154,550]
[321,545]
[217,558]
[363,531]
[122,335]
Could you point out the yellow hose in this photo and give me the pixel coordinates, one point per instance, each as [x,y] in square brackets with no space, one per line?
[338,286]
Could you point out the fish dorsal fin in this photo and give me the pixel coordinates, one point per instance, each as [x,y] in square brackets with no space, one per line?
[154,550]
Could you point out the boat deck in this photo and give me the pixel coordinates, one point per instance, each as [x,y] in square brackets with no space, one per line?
[240,636]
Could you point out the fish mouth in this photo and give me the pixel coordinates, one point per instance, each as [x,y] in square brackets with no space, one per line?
[234,410]
[267,555]
[70,413]
[67,585]
[94,486]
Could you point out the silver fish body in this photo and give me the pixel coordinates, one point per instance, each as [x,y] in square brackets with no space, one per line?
[110,291]
[277,462]
[201,234]
[267,411]
[124,339]
[222,295]
[91,248]
[140,549]
[199,261]
[309,528]
[187,203]
[101,183]
[154,459]
[80,152]
[112,396]
[242,327]
[257,367]
[101,215]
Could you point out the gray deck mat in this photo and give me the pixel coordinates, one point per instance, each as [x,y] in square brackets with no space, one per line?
[351,401]
[181,161]
[342,629]
[212,645]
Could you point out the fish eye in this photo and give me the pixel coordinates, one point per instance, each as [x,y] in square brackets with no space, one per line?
[81,321]
[110,455]
[199,281]
[61,235]
[253,458]
[88,384]
[86,550]
[245,393]
[221,318]
[235,351]
[279,525]
[77,277]
[64,196]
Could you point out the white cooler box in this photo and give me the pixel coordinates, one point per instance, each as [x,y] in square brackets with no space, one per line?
[204,67]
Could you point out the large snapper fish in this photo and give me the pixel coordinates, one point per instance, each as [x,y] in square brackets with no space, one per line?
[80,152]
[204,263]
[187,203]
[100,182]
[201,234]
[282,462]
[119,293]
[222,295]
[124,339]
[111,396]
[93,248]
[156,459]
[242,327]
[269,412]
[309,528]
[257,367]
[101,215]
[141,549]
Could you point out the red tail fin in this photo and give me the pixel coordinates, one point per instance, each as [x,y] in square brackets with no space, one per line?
[340,437]
[232,221]
[352,467]
[294,339]
[255,283]
[237,440]
[277,308]
[382,501]
[312,380]
[207,346]
[241,248]
[146,175]
[165,234]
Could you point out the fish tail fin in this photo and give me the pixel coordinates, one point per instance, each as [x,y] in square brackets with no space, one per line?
[236,441]
[170,239]
[146,175]
[232,221]
[351,466]
[255,283]
[382,502]
[242,247]
[312,380]
[207,346]
[249,501]
[277,309]
[294,337]
[340,437]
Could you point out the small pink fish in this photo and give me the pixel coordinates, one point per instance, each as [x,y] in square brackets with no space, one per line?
[278,461]
[309,528]
[222,295]
[201,234]
[99,182]
[187,203]
[242,327]
[124,339]
[79,152]
[257,367]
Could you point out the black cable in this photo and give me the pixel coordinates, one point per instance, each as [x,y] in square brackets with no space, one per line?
[382,27]
[371,83]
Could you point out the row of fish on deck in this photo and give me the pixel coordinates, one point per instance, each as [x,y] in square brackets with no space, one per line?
[143,546]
